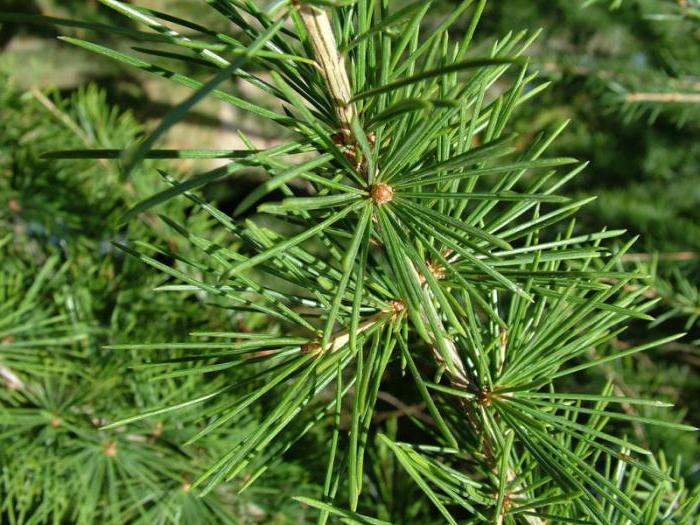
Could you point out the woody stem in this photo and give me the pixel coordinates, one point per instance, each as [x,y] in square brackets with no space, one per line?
[332,67]
[330,63]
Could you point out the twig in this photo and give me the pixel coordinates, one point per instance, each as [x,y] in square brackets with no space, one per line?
[332,67]
[675,98]
[457,374]
[12,381]
[403,409]
[330,63]
[64,119]
[672,256]
[339,340]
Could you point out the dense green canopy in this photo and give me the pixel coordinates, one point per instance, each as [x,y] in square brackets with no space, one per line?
[349,261]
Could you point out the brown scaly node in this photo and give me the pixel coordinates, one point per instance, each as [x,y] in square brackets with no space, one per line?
[397,308]
[484,398]
[110,449]
[624,457]
[314,347]
[157,429]
[341,139]
[55,422]
[351,154]
[344,138]
[436,269]
[507,501]
[381,193]
[344,142]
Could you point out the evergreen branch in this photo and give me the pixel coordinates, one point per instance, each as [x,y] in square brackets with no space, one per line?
[424,239]
[444,350]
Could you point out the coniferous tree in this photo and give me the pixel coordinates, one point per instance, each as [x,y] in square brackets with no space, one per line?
[426,248]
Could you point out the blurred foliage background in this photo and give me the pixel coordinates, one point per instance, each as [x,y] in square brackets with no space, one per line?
[627,75]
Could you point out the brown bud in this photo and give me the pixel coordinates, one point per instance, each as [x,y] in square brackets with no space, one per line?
[397,308]
[311,348]
[485,396]
[157,429]
[110,449]
[381,193]
[436,269]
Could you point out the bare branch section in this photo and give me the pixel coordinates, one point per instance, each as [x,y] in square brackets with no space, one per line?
[330,63]
[455,370]
[672,256]
[11,380]
[340,339]
[675,98]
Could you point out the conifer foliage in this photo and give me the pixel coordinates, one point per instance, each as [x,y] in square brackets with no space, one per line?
[402,231]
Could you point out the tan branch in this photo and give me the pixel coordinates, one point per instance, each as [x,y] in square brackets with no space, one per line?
[402,409]
[11,380]
[672,256]
[330,63]
[675,98]
[457,374]
[339,340]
